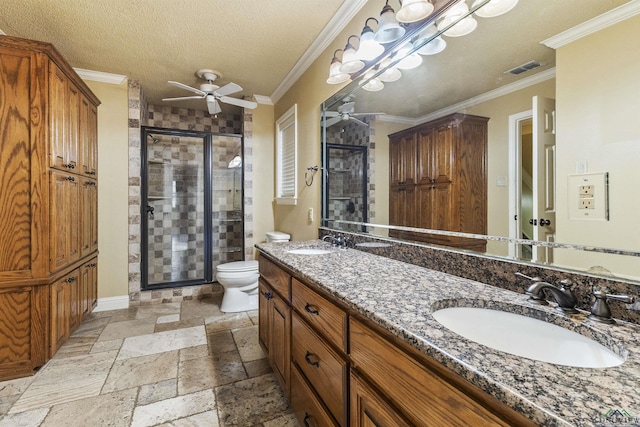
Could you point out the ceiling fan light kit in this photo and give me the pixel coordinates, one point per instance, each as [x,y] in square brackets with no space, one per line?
[211,93]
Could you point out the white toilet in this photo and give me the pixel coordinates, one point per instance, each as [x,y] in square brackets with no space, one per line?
[240,280]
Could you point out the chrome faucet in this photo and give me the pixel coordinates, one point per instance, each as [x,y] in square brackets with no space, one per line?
[564,296]
[336,240]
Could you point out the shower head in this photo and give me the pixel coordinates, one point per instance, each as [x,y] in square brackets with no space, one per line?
[153,139]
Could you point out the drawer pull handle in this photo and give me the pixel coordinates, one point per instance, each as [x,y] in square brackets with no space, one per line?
[307,357]
[311,309]
[306,419]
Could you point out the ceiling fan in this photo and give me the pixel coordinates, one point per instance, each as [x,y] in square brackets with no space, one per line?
[346,113]
[213,93]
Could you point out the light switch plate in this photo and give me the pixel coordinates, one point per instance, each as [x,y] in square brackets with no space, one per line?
[588,196]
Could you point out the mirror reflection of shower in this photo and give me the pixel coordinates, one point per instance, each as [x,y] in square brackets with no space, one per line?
[235,164]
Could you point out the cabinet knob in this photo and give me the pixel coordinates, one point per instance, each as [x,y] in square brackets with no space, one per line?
[311,309]
[70,178]
[70,280]
[70,166]
[544,222]
[267,295]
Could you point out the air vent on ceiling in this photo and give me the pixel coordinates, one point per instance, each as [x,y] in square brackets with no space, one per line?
[523,68]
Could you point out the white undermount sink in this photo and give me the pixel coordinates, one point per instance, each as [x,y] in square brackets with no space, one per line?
[527,337]
[310,251]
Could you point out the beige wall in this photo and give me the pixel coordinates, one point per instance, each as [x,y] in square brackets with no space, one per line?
[309,91]
[113,163]
[598,106]
[263,171]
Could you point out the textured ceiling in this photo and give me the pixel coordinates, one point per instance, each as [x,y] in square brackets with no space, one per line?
[253,43]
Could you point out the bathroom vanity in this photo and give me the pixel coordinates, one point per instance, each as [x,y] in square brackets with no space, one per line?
[352,339]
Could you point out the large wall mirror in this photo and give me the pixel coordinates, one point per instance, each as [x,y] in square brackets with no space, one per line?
[567,68]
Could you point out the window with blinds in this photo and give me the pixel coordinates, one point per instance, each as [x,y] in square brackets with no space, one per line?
[286,157]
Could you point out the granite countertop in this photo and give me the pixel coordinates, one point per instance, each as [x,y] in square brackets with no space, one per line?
[401,298]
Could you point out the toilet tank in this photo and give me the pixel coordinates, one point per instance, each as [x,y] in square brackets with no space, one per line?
[277,236]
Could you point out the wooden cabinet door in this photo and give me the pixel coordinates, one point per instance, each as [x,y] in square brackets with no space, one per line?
[88,217]
[265,294]
[280,345]
[425,146]
[73,128]
[402,159]
[93,285]
[442,162]
[84,293]
[369,409]
[64,233]
[88,148]
[75,303]
[60,311]
[57,118]
[24,313]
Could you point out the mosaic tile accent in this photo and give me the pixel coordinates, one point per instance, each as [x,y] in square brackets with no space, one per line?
[143,114]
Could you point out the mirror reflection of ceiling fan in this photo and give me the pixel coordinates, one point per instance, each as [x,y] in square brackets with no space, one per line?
[212,93]
[345,114]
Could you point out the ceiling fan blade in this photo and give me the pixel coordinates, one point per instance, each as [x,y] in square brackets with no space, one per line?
[367,114]
[239,102]
[212,105]
[183,98]
[332,121]
[360,122]
[227,89]
[185,87]
[331,114]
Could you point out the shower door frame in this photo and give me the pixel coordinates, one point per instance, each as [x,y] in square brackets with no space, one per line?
[362,150]
[207,140]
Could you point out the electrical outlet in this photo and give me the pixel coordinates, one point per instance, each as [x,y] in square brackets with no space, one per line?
[586,190]
[587,203]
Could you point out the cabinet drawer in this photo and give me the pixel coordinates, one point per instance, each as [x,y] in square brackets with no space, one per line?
[321,314]
[306,405]
[323,367]
[426,398]
[277,278]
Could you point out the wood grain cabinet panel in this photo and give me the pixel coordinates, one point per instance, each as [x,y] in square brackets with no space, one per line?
[320,313]
[278,279]
[322,366]
[450,190]
[308,409]
[47,117]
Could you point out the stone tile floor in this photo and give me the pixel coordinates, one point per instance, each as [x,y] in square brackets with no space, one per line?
[174,364]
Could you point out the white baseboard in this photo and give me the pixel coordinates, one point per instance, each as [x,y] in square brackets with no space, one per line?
[112,303]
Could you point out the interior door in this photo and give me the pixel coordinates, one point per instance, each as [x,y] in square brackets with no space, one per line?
[544,155]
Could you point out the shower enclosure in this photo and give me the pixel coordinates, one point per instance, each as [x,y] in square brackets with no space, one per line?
[192,195]
[346,184]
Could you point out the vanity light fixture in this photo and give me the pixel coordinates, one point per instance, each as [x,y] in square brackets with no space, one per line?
[335,75]
[434,45]
[390,74]
[373,84]
[494,7]
[350,62]
[369,48]
[414,10]
[389,30]
[410,60]
[463,26]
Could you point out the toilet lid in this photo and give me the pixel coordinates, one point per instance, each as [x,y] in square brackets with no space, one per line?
[238,266]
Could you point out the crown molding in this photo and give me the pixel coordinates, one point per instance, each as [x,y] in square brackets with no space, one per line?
[488,96]
[342,17]
[99,76]
[591,26]
[396,119]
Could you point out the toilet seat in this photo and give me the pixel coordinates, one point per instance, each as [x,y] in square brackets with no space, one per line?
[238,267]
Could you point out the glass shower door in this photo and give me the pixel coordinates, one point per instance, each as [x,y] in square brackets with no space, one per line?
[175,197]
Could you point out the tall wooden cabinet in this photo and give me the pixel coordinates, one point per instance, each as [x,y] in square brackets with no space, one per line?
[438,180]
[48,203]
